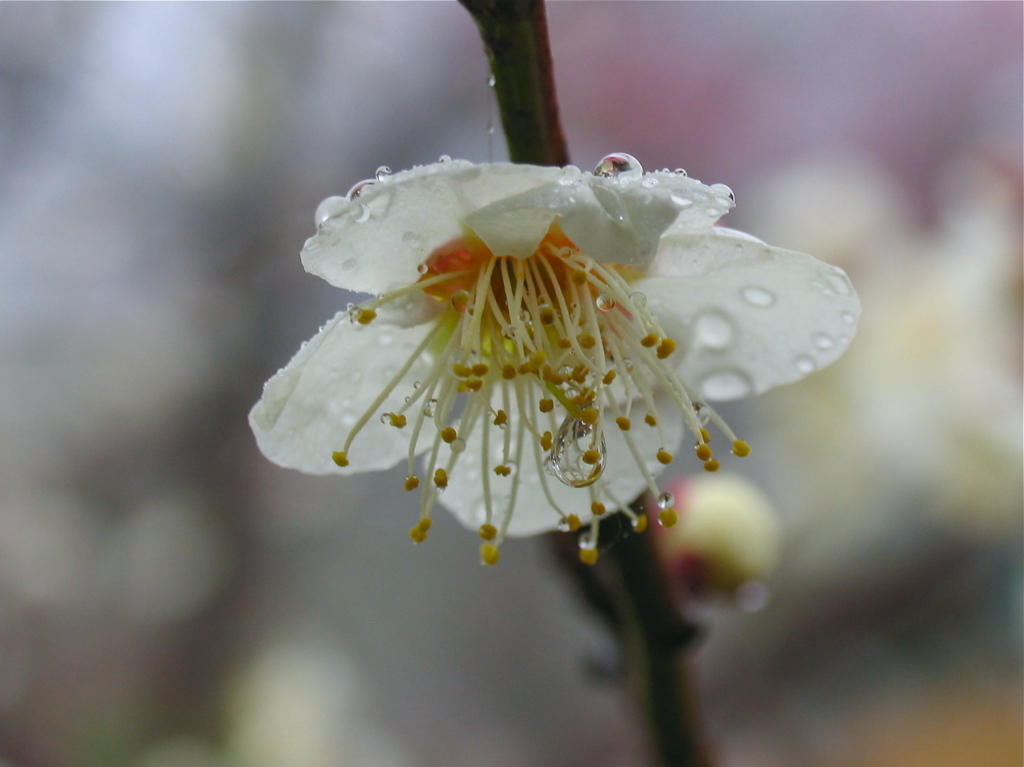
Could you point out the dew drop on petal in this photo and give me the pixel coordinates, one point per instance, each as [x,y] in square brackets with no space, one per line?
[679,172]
[361,214]
[757,296]
[624,167]
[723,192]
[666,501]
[570,175]
[703,413]
[848,318]
[422,268]
[329,208]
[604,302]
[383,173]
[713,330]
[359,188]
[385,418]
[429,407]
[823,341]
[649,182]
[804,364]
[682,202]
[492,81]
[444,158]
[726,384]
[639,299]
[458,445]
[574,440]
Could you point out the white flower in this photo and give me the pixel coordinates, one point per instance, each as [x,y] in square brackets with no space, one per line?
[542,337]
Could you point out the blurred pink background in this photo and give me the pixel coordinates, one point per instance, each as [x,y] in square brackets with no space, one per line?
[168,598]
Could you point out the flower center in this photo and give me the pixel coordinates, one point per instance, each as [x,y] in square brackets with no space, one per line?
[551,349]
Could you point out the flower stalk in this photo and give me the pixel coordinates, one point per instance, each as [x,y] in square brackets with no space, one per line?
[635,598]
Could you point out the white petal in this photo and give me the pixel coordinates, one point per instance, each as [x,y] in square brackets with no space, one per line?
[747,316]
[374,243]
[309,407]
[610,220]
[533,511]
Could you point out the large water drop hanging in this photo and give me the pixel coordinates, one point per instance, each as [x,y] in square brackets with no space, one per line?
[624,167]
[575,444]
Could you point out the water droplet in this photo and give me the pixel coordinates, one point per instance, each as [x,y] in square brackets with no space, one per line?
[713,329]
[752,597]
[622,166]
[649,181]
[383,173]
[417,384]
[839,282]
[682,202]
[361,214]
[823,341]
[329,208]
[440,490]
[422,268]
[848,318]
[724,192]
[385,418]
[679,172]
[444,158]
[714,212]
[639,299]
[458,445]
[726,384]
[492,81]
[628,364]
[757,296]
[575,439]
[604,302]
[349,263]
[360,188]
[666,501]
[570,176]
[429,407]
[703,413]
[804,364]
[563,524]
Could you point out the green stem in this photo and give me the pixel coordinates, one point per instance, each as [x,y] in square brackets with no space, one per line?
[515,35]
[627,587]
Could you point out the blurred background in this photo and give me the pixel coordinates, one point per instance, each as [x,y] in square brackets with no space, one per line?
[168,598]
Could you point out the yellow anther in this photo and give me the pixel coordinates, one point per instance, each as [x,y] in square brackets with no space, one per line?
[649,340]
[668,517]
[488,532]
[556,378]
[441,478]
[474,385]
[564,343]
[500,418]
[650,420]
[546,440]
[397,420]
[480,370]
[573,523]
[365,316]
[425,524]
[418,535]
[665,348]
[706,435]
[597,508]
[489,554]
[703,452]
[585,397]
[588,556]
[641,523]
[462,388]
[502,470]
[460,300]
[623,423]
[579,373]
[590,457]
[664,456]
[589,416]
[448,434]
[461,370]
[411,483]
[608,377]
[508,372]
[587,341]
[547,315]
[580,278]
[711,465]
[740,448]
[339,458]
[526,368]
[546,405]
